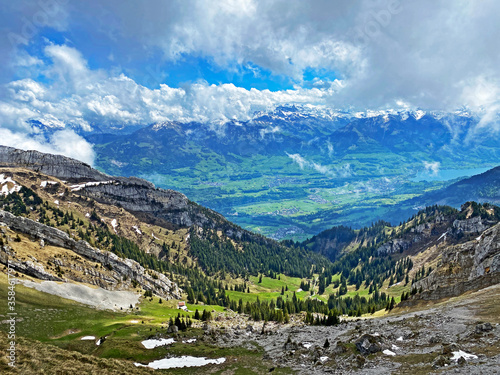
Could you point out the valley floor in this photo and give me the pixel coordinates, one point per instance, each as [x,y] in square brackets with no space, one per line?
[417,340]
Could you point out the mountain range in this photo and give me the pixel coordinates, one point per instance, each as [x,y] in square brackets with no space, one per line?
[174,273]
[295,171]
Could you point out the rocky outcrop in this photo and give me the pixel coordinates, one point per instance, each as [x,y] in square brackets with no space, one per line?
[125,268]
[368,344]
[469,266]
[394,246]
[27,267]
[133,194]
[139,196]
[53,165]
[441,228]
[473,225]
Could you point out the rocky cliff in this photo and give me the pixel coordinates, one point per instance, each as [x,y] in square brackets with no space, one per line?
[453,228]
[133,194]
[122,269]
[469,266]
[52,165]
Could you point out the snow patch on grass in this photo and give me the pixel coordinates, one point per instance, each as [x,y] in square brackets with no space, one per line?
[179,362]
[154,343]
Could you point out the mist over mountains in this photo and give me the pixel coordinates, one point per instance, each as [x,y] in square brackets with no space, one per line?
[299,170]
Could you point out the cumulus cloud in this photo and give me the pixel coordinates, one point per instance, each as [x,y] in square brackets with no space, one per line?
[427,53]
[434,54]
[79,96]
[62,142]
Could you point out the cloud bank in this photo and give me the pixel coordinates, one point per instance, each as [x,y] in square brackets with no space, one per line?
[107,67]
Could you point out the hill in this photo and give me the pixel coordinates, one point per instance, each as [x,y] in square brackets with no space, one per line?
[484,187]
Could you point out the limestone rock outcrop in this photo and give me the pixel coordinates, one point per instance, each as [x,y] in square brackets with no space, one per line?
[52,165]
[469,266]
[133,194]
[127,268]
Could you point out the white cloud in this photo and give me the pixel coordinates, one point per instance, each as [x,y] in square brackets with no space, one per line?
[435,54]
[432,167]
[298,159]
[341,170]
[80,96]
[63,142]
[385,50]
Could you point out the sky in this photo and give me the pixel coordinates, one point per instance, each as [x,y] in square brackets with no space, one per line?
[78,66]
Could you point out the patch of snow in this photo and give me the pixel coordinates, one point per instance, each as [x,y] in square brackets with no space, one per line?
[323,359]
[307,345]
[86,184]
[443,235]
[87,215]
[189,341]
[5,181]
[394,347]
[136,228]
[153,343]
[389,352]
[153,235]
[179,362]
[88,338]
[419,114]
[400,338]
[45,183]
[114,224]
[134,321]
[56,202]
[98,342]
[299,290]
[464,355]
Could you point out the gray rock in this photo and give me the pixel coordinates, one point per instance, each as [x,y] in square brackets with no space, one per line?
[440,361]
[469,266]
[161,285]
[449,348]
[52,165]
[173,329]
[368,344]
[485,327]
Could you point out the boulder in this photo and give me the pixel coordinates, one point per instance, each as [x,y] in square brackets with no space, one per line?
[440,361]
[173,329]
[368,344]
[485,327]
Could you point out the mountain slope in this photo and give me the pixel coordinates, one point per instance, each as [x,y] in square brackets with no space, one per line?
[158,220]
[484,187]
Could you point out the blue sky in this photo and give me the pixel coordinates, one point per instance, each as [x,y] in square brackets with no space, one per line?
[151,70]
